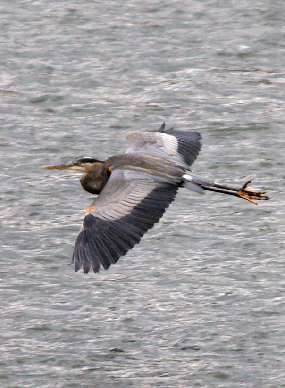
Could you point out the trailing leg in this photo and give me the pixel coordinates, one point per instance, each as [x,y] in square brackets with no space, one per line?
[243,192]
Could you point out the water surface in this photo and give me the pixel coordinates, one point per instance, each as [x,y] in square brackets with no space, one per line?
[200,301]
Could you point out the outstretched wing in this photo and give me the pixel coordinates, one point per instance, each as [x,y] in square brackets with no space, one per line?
[180,147]
[129,205]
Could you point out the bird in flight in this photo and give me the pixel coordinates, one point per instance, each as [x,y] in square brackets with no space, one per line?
[134,189]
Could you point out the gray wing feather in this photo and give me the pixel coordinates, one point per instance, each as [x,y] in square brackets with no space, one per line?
[118,219]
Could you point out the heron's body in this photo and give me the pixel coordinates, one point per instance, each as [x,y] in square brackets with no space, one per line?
[134,191]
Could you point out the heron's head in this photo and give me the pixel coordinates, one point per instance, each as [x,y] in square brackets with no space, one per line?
[82,165]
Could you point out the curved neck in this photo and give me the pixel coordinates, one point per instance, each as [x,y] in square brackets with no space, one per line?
[95,179]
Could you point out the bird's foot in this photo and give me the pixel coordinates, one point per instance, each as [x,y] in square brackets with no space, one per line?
[243,192]
[251,195]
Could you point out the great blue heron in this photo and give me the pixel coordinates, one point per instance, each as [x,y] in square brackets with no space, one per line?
[134,190]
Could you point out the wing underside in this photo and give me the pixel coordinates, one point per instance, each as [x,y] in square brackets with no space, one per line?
[114,226]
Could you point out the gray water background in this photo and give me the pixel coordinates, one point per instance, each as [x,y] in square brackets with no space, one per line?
[200,301]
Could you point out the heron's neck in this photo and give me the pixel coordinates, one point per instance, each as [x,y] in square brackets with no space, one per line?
[96,178]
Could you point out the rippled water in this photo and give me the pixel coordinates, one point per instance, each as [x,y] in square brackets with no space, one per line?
[200,301]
